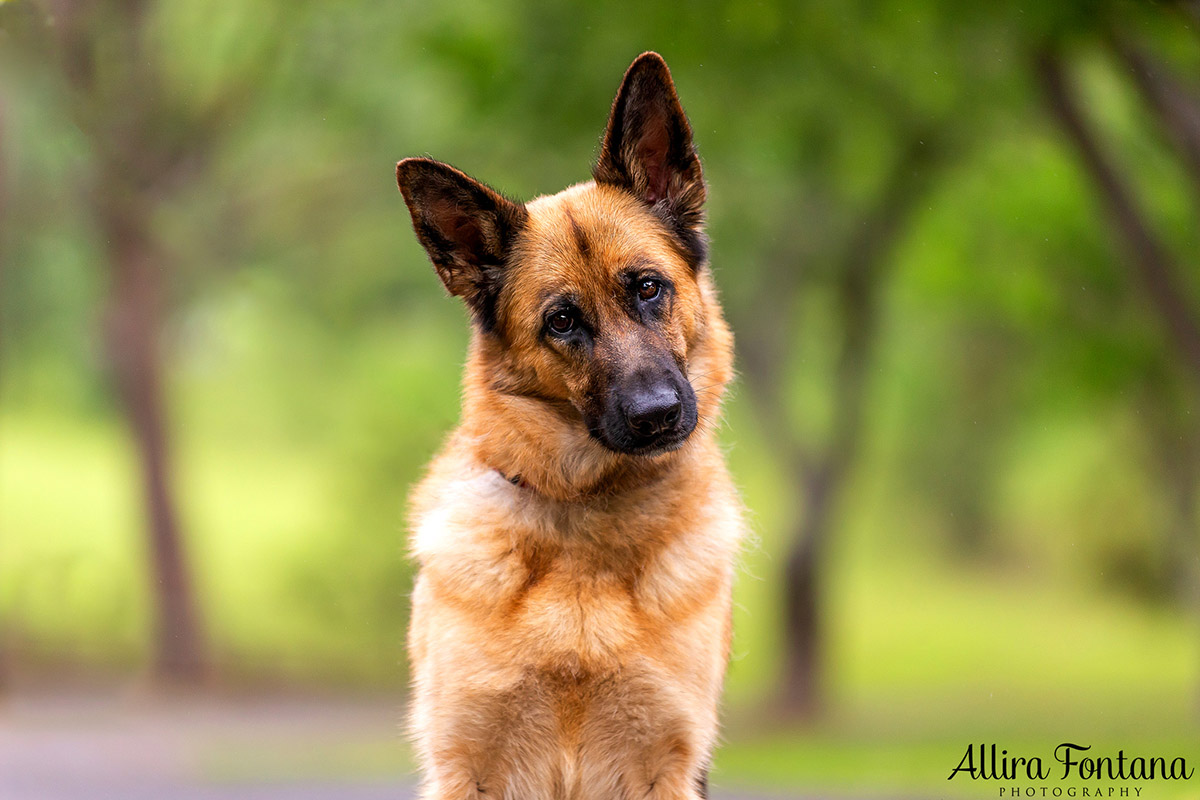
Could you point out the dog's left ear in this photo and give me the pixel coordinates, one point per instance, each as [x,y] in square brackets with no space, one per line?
[648,150]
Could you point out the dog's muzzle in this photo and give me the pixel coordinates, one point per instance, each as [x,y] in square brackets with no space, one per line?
[648,415]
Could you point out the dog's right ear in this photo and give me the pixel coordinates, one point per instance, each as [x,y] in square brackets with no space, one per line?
[466,228]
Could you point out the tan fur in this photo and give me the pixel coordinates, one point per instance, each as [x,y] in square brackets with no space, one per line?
[569,635]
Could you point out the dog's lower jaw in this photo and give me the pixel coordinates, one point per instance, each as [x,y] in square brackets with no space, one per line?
[559,458]
[656,448]
[623,472]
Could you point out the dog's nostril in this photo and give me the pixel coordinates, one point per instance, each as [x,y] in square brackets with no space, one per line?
[672,415]
[642,426]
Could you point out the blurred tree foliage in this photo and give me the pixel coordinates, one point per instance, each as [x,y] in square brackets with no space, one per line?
[944,331]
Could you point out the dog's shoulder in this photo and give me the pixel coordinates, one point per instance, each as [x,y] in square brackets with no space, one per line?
[457,506]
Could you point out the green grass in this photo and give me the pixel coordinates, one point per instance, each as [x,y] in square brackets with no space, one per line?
[73,578]
[70,577]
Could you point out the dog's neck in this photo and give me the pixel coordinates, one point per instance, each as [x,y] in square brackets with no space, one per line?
[539,451]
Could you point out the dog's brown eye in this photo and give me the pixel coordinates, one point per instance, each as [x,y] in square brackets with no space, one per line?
[561,322]
[649,289]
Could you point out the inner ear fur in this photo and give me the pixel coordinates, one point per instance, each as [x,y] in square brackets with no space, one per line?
[466,227]
[647,149]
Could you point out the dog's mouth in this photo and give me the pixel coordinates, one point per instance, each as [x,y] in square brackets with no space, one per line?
[657,447]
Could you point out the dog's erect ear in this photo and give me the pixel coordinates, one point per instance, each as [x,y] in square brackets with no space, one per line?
[466,227]
[648,150]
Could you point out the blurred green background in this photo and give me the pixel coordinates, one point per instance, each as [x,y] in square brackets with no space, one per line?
[958,244]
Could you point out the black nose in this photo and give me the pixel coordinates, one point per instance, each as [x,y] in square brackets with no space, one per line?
[652,411]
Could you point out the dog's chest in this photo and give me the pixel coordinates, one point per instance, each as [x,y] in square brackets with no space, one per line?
[594,588]
[562,607]
[533,599]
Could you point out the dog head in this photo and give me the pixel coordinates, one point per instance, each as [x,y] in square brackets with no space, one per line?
[591,301]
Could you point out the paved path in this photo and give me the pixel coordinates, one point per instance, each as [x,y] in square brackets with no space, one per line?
[128,747]
[85,746]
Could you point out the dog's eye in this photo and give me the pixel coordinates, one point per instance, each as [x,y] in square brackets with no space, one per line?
[561,322]
[648,289]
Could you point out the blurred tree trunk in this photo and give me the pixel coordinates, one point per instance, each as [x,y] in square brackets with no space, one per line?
[1176,440]
[134,330]
[1151,262]
[1177,110]
[139,158]
[1149,259]
[821,471]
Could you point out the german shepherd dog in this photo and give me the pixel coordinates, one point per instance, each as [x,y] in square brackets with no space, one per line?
[576,536]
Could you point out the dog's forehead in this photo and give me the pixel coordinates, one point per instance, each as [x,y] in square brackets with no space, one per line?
[587,236]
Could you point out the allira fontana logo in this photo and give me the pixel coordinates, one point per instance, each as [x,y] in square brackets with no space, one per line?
[1068,762]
